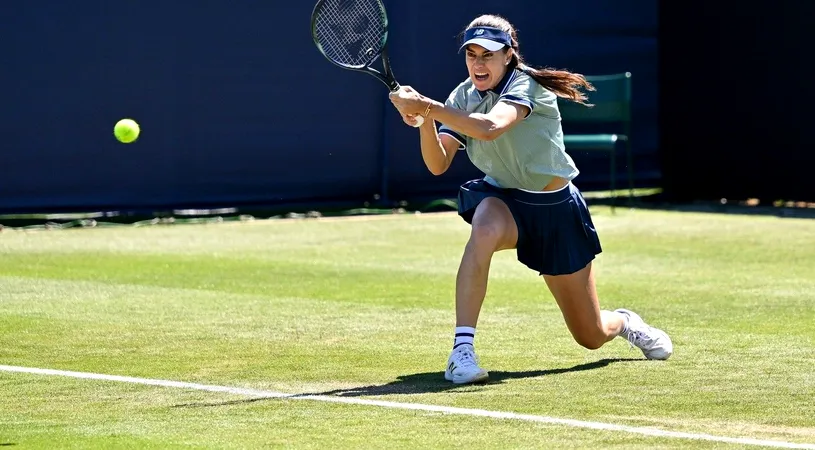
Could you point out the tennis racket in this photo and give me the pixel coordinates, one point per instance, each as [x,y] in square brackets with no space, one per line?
[353,34]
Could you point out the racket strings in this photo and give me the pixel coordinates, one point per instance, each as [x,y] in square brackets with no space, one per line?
[350,32]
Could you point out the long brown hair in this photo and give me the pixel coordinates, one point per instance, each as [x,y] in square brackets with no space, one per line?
[563,83]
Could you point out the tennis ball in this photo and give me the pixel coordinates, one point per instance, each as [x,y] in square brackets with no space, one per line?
[126,130]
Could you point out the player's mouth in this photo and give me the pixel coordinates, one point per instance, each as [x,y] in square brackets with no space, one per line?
[481,76]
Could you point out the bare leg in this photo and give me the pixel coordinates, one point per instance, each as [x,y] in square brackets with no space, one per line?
[493,229]
[576,296]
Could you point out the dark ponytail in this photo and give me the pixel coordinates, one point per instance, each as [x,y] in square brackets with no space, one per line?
[561,82]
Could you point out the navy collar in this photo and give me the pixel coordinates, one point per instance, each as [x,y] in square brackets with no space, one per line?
[502,85]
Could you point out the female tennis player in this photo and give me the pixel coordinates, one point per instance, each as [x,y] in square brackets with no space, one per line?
[505,115]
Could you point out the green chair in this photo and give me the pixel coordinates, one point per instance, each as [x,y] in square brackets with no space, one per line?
[612,105]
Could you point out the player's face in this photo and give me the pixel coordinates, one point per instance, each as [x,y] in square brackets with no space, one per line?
[486,68]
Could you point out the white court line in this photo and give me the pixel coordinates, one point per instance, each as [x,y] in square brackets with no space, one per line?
[413,406]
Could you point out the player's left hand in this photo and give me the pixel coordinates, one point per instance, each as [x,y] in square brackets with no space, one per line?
[410,120]
[408,101]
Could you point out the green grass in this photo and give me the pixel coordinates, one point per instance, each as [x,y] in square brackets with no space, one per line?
[364,307]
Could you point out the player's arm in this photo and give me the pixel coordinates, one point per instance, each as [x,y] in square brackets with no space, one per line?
[438,149]
[484,127]
[514,105]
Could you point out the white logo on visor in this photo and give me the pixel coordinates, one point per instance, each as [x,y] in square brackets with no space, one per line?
[478,32]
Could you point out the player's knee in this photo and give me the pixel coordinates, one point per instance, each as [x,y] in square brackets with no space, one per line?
[491,225]
[487,235]
[590,338]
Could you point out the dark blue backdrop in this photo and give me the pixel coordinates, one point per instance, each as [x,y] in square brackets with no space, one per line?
[238,108]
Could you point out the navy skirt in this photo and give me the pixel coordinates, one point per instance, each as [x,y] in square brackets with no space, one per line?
[555,233]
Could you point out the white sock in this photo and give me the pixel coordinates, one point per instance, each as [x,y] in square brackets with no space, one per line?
[464,335]
[625,324]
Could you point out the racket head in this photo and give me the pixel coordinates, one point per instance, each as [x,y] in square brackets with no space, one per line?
[350,33]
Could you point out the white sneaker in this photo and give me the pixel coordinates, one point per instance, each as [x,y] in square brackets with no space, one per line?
[462,366]
[654,343]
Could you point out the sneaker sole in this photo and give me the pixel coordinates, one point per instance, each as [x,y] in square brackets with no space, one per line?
[480,377]
[660,355]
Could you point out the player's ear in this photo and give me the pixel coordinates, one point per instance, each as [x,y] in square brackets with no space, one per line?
[508,55]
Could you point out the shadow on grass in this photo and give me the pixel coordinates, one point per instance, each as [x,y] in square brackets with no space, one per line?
[428,382]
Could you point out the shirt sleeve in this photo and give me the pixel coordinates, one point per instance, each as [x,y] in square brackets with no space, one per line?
[456,99]
[520,90]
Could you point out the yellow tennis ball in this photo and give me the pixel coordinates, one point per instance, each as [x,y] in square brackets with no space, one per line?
[126,130]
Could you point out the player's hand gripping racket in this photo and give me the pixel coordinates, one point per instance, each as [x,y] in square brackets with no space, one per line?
[353,34]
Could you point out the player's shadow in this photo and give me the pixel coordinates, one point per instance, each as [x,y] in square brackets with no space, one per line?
[429,382]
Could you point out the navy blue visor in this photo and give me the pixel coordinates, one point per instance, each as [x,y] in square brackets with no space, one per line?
[493,39]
